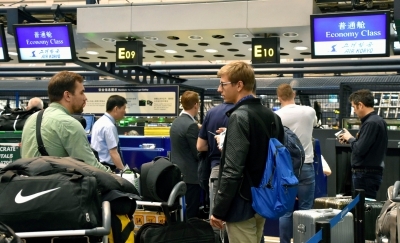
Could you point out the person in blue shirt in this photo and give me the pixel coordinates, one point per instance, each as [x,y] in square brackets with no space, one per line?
[104,138]
[215,119]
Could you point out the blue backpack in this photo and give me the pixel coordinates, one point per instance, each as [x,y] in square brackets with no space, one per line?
[296,150]
[277,191]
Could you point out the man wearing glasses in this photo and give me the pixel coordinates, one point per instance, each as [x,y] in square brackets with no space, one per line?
[244,151]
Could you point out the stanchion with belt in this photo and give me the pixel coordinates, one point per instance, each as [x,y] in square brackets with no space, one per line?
[323,228]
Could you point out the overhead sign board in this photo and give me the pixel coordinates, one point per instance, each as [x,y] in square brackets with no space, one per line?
[354,34]
[265,50]
[161,100]
[3,45]
[129,53]
[44,42]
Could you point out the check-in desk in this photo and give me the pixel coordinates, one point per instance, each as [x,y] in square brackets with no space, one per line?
[135,157]
[136,141]
[338,157]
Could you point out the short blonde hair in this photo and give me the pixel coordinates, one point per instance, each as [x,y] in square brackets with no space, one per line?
[285,92]
[239,71]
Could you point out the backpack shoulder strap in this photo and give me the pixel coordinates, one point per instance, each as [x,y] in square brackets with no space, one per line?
[41,148]
[258,118]
[264,127]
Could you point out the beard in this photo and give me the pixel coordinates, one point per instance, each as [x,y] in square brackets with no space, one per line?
[78,109]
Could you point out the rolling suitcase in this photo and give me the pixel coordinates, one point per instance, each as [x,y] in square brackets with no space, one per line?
[372,211]
[304,222]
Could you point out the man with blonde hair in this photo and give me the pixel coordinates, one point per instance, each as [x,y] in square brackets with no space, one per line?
[183,134]
[301,120]
[244,154]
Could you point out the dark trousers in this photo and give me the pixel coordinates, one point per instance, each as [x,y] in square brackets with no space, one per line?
[112,167]
[370,181]
[192,197]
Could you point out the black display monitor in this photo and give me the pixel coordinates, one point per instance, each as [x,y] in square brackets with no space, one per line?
[3,45]
[353,35]
[90,119]
[45,42]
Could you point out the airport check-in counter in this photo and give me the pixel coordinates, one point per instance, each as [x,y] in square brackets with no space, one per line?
[338,157]
[135,154]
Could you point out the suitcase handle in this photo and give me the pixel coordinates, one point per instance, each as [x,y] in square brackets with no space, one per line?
[395,195]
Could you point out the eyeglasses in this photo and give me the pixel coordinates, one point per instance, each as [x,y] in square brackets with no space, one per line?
[222,84]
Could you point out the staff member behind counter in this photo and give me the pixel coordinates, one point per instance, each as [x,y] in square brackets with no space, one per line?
[105,138]
[369,146]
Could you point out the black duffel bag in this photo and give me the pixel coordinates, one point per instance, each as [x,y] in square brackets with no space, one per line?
[15,120]
[58,199]
[194,230]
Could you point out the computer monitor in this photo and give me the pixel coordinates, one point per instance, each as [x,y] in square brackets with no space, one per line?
[89,122]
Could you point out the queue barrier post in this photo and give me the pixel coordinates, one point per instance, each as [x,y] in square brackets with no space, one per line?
[325,226]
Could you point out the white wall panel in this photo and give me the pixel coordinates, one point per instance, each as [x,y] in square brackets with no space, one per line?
[194,16]
[273,13]
[104,19]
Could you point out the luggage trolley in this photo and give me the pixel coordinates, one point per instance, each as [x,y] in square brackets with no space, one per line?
[178,191]
[102,231]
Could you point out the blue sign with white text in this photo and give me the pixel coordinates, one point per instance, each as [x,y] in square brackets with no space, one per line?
[44,42]
[372,27]
[350,35]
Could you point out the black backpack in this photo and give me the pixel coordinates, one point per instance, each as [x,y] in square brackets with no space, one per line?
[158,178]
[296,150]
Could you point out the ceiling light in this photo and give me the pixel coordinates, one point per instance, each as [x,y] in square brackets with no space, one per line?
[301,48]
[195,37]
[290,34]
[240,35]
[108,39]
[92,52]
[12,53]
[170,51]
[150,38]
[211,50]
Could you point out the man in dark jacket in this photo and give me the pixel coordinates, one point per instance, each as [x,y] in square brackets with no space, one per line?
[245,149]
[369,146]
[183,134]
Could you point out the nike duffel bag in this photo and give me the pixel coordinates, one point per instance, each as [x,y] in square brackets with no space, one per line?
[65,200]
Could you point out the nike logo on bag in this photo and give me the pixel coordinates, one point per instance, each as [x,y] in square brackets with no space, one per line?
[23,199]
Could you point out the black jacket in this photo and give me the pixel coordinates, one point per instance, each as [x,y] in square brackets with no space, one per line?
[183,134]
[245,148]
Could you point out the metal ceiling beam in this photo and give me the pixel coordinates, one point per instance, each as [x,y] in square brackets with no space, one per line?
[43,69]
[363,69]
[41,74]
[339,63]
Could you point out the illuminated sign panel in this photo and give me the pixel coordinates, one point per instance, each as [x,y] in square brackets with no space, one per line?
[3,45]
[129,53]
[44,42]
[265,50]
[359,34]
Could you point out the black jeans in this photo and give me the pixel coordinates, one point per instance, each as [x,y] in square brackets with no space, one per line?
[370,181]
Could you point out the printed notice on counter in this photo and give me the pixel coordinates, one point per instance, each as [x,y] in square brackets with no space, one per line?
[9,152]
[142,100]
